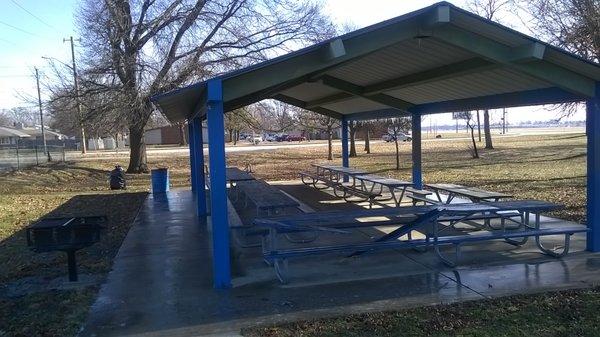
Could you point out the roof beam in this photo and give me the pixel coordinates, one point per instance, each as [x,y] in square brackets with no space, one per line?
[302,104]
[356,90]
[318,58]
[436,74]
[337,97]
[377,114]
[513,99]
[518,58]
[552,95]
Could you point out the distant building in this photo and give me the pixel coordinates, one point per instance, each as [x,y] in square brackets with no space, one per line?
[36,132]
[169,135]
[11,136]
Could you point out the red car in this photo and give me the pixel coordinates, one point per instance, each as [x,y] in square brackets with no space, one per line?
[295,138]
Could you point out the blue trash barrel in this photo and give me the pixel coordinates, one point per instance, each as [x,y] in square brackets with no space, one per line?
[160,180]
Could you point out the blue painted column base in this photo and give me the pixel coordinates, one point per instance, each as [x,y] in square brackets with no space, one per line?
[345,151]
[417,176]
[199,178]
[192,160]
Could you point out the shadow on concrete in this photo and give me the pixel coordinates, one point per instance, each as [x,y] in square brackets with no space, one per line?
[161,282]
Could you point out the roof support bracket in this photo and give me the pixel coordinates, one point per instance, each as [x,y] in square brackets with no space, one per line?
[335,49]
[356,90]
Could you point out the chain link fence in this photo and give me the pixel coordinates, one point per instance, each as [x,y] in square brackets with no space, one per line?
[19,156]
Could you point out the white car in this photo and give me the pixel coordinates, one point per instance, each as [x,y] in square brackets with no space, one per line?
[255,139]
[401,136]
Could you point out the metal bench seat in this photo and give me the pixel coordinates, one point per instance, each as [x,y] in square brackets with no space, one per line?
[280,257]
[425,219]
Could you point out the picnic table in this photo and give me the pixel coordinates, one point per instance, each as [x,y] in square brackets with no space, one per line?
[337,172]
[396,187]
[474,194]
[426,219]
[234,174]
[265,197]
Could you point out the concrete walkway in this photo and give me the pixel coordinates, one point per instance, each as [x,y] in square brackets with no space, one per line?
[161,282]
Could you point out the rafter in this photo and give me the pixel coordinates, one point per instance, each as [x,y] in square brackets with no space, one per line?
[357,90]
[303,105]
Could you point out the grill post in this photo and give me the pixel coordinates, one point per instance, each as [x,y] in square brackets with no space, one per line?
[72,262]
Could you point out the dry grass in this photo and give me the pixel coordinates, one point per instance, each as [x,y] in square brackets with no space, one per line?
[550,167]
[57,190]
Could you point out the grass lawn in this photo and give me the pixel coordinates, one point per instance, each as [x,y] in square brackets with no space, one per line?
[565,313]
[549,167]
[26,308]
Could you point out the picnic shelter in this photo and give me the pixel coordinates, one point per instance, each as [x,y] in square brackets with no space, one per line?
[435,60]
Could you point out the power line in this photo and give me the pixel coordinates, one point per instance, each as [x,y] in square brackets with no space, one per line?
[19,29]
[33,15]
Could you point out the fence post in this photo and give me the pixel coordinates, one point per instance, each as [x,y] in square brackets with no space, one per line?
[18,164]
[37,162]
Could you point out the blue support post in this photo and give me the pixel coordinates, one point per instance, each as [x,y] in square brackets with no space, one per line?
[192,162]
[593,171]
[199,167]
[345,152]
[417,176]
[218,187]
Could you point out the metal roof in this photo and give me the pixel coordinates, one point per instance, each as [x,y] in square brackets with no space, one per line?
[431,60]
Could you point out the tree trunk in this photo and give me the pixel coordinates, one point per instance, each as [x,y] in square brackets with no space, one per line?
[368,140]
[478,126]
[397,154]
[486,129]
[138,162]
[475,152]
[352,128]
[329,144]
[231,135]
[182,140]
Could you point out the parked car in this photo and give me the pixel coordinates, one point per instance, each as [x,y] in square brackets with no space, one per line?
[281,138]
[295,138]
[401,136]
[271,138]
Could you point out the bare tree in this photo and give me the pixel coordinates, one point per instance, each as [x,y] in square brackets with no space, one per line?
[352,128]
[23,115]
[140,48]
[396,127]
[573,25]
[366,127]
[491,10]
[313,121]
[486,130]
[4,118]
[468,117]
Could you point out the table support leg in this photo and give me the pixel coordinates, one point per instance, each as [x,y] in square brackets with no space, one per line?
[72,263]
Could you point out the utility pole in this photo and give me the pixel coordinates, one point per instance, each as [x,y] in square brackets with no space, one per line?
[76,84]
[37,80]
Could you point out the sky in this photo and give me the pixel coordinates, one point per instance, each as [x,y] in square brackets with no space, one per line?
[32,29]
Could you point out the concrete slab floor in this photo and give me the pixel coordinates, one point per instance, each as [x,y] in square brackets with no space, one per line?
[161,282]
